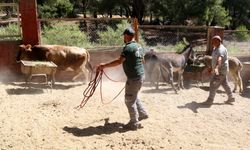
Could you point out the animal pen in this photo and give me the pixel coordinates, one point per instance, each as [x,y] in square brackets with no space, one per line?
[103,46]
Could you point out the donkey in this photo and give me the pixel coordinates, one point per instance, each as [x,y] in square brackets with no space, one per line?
[159,63]
[235,67]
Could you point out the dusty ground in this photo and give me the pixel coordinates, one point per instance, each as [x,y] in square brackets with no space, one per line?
[37,118]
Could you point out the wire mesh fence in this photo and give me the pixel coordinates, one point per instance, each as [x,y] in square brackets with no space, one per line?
[88,33]
[106,32]
[170,37]
[237,42]
[9,22]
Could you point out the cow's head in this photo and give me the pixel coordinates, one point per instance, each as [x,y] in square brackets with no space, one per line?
[24,52]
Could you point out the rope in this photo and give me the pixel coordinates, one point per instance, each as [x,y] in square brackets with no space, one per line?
[89,91]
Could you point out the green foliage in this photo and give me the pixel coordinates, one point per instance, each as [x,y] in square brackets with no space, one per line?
[229,13]
[242,33]
[55,9]
[113,36]
[65,34]
[10,31]
[239,11]
[179,46]
[215,13]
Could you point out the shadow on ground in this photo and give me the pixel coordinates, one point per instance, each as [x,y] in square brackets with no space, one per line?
[107,128]
[162,88]
[36,88]
[20,91]
[206,88]
[246,92]
[194,106]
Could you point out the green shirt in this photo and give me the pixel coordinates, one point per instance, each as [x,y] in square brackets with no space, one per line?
[133,54]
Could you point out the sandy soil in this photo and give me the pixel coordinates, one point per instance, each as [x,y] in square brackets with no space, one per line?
[37,118]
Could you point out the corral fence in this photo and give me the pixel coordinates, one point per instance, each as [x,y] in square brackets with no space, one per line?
[10,16]
[84,32]
[237,42]
[94,33]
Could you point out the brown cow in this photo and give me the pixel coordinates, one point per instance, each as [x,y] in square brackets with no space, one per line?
[63,56]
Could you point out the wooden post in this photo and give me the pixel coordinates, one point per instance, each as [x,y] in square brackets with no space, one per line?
[135,26]
[29,22]
[212,31]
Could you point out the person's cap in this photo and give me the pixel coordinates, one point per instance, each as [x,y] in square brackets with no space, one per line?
[129,31]
[217,37]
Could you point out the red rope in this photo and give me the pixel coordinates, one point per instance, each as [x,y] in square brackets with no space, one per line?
[89,91]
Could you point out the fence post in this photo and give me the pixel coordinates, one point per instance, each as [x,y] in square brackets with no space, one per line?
[212,31]
[135,26]
[29,22]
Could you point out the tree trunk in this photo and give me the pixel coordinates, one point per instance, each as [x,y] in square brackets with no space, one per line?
[138,10]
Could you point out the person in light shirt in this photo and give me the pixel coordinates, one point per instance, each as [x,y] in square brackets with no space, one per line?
[220,69]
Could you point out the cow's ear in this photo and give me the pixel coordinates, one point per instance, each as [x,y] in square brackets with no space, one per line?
[22,47]
[28,47]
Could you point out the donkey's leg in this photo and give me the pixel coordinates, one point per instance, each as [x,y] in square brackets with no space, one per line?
[158,75]
[235,78]
[180,79]
[240,81]
[171,79]
[157,81]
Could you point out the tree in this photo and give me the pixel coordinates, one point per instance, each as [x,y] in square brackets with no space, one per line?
[55,9]
[239,10]
[138,9]
[215,13]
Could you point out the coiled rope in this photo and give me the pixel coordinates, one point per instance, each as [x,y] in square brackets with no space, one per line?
[89,91]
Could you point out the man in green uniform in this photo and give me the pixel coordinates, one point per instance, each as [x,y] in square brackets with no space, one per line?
[132,58]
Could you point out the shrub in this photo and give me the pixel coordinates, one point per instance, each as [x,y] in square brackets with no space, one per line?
[65,34]
[242,33]
[113,36]
[9,31]
[179,46]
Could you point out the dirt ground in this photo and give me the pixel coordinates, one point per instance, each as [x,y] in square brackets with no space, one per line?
[40,118]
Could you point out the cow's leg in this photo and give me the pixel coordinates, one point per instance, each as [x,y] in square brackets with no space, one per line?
[86,74]
[53,77]
[77,72]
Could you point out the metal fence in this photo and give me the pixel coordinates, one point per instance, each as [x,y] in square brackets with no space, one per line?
[170,34]
[10,22]
[84,32]
[166,37]
[237,42]
[106,32]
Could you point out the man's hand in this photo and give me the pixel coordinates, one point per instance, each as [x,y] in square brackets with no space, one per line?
[210,69]
[216,71]
[100,67]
